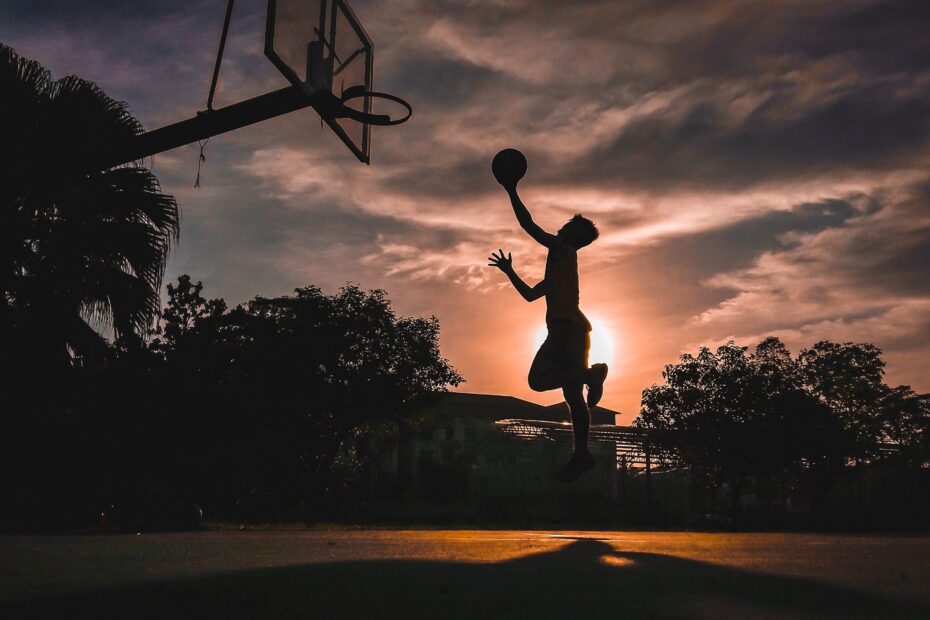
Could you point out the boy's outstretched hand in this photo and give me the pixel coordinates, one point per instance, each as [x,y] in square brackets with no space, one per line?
[504,264]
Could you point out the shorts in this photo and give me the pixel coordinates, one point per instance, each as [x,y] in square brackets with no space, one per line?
[565,348]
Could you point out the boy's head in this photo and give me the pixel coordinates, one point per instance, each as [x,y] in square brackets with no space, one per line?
[578,232]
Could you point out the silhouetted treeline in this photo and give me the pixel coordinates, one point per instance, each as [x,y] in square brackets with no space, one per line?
[819,434]
[259,412]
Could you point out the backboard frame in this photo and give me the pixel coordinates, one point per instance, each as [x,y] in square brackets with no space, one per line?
[297,95]
[327,21]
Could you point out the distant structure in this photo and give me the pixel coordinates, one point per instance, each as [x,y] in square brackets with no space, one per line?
[489,457]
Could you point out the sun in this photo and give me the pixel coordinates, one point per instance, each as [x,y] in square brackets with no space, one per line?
[602,344]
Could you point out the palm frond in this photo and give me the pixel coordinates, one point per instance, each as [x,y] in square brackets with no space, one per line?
[121,300]
[148,200]
[21,79]
[84,125]
[89,243]
[24,87]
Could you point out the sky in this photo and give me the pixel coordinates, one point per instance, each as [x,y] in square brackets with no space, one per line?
[755,168]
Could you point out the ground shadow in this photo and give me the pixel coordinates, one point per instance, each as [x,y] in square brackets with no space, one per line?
[586,576]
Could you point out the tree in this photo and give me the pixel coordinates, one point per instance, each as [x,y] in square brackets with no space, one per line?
[270,404]
[731,416]
[905,418]
[82,253]
[186,306]
[848,377]
[83,246]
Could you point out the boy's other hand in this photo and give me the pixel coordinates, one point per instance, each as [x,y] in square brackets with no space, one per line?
[499,261]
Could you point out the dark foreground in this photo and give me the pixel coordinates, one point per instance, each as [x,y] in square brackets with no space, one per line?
[464,574]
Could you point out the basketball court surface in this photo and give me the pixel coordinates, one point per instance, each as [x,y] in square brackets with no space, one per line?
[465,574]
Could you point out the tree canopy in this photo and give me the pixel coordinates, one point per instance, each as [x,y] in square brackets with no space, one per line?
[732,415]
[83,246]
[264,410]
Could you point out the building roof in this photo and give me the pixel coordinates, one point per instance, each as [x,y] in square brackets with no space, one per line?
[599,415]
[496,407]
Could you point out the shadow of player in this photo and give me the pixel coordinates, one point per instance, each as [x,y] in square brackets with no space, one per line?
[586,576]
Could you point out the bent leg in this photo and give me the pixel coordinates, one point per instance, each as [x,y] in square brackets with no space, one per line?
[544,379]
[544,373]
[561,360]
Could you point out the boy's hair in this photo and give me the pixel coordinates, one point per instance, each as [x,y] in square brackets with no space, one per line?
[587,231]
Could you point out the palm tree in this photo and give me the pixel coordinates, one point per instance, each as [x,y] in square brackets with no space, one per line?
[82,245]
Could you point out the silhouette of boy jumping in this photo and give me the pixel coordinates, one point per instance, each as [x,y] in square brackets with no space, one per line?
[562,360]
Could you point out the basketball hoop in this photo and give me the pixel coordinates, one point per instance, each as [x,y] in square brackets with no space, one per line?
[320,47]
[330,106]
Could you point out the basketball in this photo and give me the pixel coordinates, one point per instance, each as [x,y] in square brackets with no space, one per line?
[508,167]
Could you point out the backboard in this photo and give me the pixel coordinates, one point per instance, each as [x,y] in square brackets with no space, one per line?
[319,45]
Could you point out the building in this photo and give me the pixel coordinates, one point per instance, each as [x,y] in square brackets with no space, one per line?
[493,458]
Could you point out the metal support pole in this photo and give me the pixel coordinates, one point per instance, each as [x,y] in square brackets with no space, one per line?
[212,123]
[219,54]
[648,485]
[622,485]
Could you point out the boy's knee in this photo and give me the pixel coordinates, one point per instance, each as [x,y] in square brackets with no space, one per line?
[541,381]
[537,384]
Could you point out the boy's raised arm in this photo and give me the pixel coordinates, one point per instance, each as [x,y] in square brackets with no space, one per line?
[526,220]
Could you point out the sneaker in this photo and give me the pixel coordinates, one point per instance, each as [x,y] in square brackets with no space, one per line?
[577,465]
[596,387]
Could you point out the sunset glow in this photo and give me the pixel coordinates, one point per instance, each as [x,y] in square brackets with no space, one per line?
[602,343]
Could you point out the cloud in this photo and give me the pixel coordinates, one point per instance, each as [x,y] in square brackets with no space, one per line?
[660,96]
[862,280]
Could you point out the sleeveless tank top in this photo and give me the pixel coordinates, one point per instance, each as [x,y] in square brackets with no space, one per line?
[562,299]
